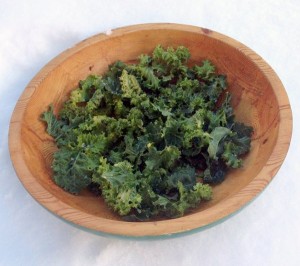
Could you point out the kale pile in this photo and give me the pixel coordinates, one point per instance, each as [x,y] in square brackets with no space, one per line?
[150,137]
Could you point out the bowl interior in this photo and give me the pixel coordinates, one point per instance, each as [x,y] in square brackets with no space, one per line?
[253,100]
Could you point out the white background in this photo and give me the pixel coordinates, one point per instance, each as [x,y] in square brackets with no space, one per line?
[266,232]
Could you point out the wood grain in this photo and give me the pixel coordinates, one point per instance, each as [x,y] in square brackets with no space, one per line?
[259,99]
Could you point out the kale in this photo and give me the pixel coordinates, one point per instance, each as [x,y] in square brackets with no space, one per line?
[73,169]
[148,137]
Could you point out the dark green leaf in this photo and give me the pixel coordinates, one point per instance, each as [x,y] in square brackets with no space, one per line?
[216,136]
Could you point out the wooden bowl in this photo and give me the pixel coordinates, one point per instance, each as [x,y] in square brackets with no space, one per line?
[259,99]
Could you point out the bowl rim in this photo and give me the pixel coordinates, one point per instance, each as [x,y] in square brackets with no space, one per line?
[152,228]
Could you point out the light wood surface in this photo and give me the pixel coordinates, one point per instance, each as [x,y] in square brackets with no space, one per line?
[259,99]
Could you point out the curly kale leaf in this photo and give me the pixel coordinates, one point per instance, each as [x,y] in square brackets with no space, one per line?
[119,187]
[215,171]
[118,173]
[54,126]
[135,148]
[170,60]
[166,158]
[166,206]
[205,71]
[216,136]
[111,79]
[187,199]
[184,174]
[237,144]
[172,132]
[129,85]
[73,169]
